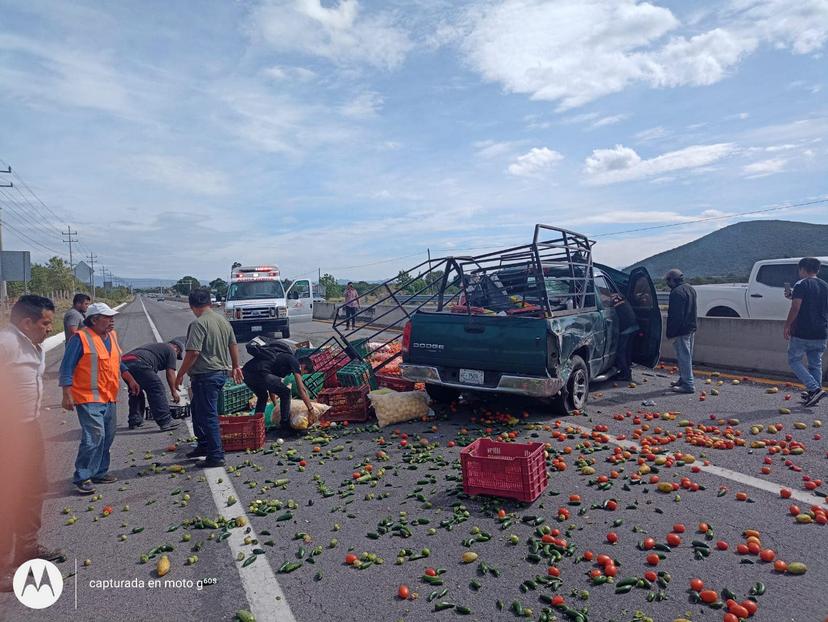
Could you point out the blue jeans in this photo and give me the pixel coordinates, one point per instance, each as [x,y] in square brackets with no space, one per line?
[98,423]
[204,410]
[683,345]
[812,349]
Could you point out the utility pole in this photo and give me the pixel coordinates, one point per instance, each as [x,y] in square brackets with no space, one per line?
[92,259]
[69,233]
[3,292]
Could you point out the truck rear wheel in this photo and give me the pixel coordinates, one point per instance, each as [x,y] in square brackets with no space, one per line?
[574,395]
[442,395]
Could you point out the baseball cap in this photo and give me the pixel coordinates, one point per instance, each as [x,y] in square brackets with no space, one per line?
[100,308]
[181,343]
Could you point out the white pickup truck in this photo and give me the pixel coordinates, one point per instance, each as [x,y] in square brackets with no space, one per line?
[761,298]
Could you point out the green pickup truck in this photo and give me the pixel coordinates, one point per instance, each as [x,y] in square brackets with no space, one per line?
[535,321]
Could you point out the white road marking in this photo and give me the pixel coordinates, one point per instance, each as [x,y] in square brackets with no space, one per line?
[735,476]
[264,594]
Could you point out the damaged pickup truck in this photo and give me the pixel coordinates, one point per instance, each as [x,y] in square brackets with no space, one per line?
[535,320]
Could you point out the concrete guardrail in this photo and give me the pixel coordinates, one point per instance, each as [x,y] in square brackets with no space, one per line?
[726,343]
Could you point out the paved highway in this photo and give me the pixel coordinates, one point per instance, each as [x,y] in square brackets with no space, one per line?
[416,489]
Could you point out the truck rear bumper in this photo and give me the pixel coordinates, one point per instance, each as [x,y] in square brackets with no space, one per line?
[530,386]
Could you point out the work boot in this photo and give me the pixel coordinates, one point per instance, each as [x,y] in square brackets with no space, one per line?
[85,488]
[814,397]
[211,463]
[169,425]
[197,453]
[106,478]
[134,424]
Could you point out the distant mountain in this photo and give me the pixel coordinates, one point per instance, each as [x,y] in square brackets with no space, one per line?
[734,249]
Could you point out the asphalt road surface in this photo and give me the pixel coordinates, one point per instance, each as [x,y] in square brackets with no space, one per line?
[410,504]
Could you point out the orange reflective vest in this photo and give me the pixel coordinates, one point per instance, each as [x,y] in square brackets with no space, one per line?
[97,377]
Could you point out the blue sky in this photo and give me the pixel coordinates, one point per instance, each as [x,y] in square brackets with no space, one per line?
[351,136]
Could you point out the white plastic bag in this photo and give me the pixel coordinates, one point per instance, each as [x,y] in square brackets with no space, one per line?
[299,419]
[396,407]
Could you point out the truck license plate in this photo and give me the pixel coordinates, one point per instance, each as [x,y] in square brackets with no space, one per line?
[471,376]
[256,329]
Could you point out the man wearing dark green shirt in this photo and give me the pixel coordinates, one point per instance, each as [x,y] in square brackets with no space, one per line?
[211,355]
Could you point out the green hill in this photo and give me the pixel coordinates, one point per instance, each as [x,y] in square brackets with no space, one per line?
[733,250]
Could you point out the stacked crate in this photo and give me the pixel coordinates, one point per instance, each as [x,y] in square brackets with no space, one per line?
[233,397]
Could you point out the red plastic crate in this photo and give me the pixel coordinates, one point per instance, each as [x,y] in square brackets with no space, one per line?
[395,383]
[513,470]
[243,432]
[347,404]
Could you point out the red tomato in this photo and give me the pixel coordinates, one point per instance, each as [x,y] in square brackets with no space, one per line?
[697,585]
[794,510]
[653,559]
[650,576]
[553,571]
[708,596]
[588,555]
[648,544]
[729,617]
[404,592]
[751,606]
[302,463]
[350,558]
[780,566]
[721,545]
[673,539]
[603,560]
[610,570]
[612,537]
[557,600]
[431,572]
[501,513]
[768,555]
[737,610]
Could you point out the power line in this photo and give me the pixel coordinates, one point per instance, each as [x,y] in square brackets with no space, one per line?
[32,192]
[21,211]
[27,238]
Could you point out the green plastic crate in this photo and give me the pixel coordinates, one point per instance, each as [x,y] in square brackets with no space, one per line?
[356,374]
[314,383]
[233,397]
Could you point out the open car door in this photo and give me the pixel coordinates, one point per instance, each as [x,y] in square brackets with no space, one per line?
[300,301]
[641,294]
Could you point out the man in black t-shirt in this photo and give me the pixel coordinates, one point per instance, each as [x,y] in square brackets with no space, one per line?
[264,377]
[144,363]
[627,327]
[807,329]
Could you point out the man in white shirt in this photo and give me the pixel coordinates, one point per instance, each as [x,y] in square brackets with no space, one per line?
[22,363]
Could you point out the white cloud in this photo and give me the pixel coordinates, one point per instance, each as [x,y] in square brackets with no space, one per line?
[611,120]
[655,216]
[491,149]
[342,33]
[179,174]
[801,26]
[608,166]
[573,52]
[650,134]
[282,72]
[764,168]
[64,75]
[363,106]
[536,161]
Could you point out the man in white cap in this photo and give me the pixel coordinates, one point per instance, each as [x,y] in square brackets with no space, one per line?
[90,375]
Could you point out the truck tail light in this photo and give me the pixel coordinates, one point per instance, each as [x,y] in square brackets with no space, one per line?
[406,339]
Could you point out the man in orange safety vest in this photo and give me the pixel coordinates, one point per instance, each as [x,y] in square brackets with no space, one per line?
[90,375]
